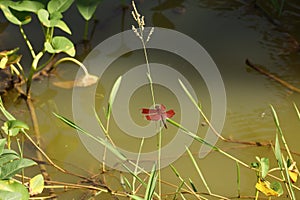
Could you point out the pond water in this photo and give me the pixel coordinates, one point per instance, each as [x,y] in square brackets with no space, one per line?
[230,32]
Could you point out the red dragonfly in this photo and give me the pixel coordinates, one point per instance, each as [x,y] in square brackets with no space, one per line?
[159,113]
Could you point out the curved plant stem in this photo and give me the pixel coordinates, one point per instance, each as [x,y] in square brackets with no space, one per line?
[74,61]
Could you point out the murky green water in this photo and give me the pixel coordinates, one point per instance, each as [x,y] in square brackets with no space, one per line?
[230,32]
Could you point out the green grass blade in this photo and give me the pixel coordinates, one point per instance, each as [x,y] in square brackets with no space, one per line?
[175,171]
[112,96]
[98,139]
[276,120]
[124,182]
[199,139]
[135,175]
[188,93]
[238,178]
[178,190]
[288,180]
[193,185]
[198,171]
[151,184]
[278,154]
[297,110]
[99,121]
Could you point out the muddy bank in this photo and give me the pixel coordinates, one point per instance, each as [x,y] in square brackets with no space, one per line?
[7,81]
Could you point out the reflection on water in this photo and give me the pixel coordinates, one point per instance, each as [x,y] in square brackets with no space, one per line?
[230,31]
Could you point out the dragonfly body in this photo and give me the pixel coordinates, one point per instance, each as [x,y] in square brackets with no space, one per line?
[159,113]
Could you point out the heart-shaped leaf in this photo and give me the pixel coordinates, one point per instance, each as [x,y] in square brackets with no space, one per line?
[60,24]
[15,17]
[60,44]
[87,8]
[55,21]
[43,16]
[59,5]
[29,6]
[13,127]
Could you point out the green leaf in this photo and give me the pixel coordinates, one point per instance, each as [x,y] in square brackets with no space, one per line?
[7,156]
[60,24]
[56,15]
[11,168]
[87,8]
[15,17]
[60,44]
[36,184]
[276,186]
[43,16]
[17,124]
[151,184]
[112,96]
[54,20]
[264,163]
[4,159]
[13,127]
[29,6]
[59,5]
[12,190]
[6,195]
[2,144]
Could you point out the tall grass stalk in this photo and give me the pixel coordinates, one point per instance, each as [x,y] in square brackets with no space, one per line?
[140,34]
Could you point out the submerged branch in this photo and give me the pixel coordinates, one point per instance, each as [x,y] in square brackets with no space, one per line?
[272,76]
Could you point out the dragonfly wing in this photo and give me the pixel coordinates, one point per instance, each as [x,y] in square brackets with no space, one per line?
[148,111]
[170,113]
[162,107]
[153,117]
